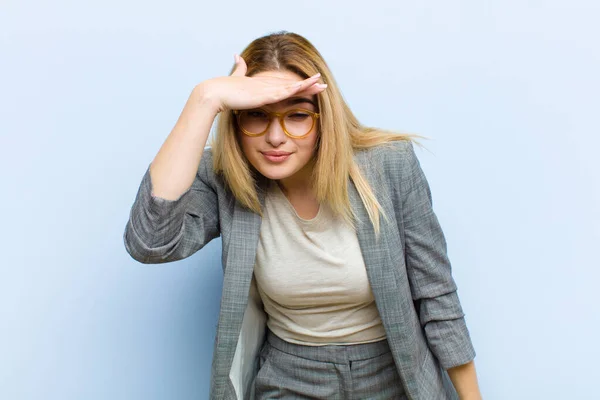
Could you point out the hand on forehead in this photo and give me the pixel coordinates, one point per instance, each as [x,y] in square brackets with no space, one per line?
[304,99]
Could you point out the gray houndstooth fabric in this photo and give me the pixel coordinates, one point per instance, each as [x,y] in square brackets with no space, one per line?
[352,372]
[407,265]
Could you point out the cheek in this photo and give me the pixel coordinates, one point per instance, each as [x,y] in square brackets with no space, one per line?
[249,147]
[307,146]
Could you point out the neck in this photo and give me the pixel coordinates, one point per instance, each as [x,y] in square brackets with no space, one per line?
[300,182]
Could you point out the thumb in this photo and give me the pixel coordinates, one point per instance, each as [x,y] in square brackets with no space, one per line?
[240,67]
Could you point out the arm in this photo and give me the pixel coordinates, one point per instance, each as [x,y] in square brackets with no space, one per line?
[175,212]
[464,379]
[175,166]
[429,270]
[161,230]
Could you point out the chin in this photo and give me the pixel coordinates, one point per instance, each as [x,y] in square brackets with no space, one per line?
[275,172]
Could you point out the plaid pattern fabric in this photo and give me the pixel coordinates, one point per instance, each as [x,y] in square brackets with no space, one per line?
[351,372]
[407,265]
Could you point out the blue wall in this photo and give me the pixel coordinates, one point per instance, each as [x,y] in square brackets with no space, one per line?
[507,91]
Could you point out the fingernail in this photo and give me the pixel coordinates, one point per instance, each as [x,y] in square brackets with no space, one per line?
[316,75]
[235,57]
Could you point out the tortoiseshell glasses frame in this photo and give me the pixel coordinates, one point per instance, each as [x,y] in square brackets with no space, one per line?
[281,117]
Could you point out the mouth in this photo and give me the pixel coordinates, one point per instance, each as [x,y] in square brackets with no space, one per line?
[276,156]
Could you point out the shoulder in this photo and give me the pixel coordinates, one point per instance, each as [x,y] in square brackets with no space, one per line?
[205,169]
[206,172]
[395,158]
[399,151]
[207,156]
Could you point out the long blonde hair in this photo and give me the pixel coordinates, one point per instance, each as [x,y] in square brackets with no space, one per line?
[341,134]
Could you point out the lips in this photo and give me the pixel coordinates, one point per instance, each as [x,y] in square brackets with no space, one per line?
[276,156]
[276,153]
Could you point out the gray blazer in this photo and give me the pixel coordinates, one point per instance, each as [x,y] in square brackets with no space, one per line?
[407,266]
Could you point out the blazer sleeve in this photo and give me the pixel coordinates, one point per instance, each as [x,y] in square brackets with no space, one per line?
[161,230]
[429,270]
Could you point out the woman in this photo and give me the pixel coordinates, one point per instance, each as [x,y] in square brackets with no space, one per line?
[336,279]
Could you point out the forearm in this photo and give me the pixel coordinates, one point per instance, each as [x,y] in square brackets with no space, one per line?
[464,379]
[175,166]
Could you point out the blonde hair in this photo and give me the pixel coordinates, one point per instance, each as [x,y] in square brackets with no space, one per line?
[341,134]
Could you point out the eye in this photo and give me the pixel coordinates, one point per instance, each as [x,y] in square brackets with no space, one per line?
[258,114]
[298,116]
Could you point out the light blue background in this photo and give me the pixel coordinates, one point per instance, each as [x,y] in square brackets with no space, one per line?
[507,91]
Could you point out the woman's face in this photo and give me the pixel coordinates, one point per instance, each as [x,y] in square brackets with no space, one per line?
[274,154]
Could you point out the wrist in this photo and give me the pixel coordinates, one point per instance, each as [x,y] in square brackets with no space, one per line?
[205,98]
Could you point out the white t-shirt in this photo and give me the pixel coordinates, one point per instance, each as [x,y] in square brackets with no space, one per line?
[311,277]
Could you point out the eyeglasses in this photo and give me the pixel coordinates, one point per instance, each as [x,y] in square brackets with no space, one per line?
[296,123]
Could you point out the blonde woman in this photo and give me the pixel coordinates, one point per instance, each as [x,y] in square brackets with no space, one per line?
[337,283]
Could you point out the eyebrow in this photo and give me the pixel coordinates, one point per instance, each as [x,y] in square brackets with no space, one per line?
[299,100]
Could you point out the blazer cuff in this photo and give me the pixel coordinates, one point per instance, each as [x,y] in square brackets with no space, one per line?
[156,220]
[450,341]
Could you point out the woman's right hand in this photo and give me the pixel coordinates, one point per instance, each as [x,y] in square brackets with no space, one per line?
[239,92]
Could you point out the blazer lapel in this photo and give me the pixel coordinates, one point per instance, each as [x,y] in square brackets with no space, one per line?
[245,233]
[376,257]
[389,290]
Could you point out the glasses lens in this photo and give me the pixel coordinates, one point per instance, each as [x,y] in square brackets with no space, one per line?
[298,123]
[254,121]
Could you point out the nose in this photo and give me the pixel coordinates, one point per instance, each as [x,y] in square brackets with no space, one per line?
[275,135]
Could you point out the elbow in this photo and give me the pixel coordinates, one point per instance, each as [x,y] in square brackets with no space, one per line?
[441,308]
[144,253]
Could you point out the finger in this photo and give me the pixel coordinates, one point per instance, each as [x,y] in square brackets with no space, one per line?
[306,83]
[314,89]
[240,67]
[279,93]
